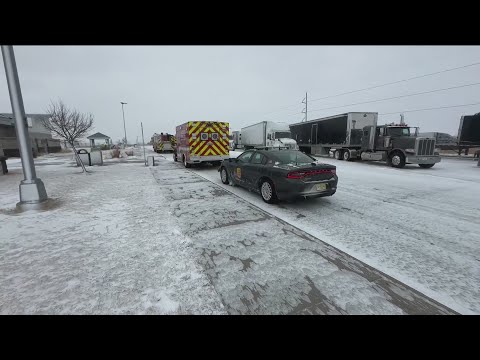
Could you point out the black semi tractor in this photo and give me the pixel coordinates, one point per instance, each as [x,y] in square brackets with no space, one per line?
[356,135]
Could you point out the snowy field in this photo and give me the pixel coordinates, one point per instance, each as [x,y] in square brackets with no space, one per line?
[105,242]
[420,226]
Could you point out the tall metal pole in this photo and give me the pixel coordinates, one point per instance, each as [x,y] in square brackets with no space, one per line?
[306,106]
[305,101]
[143,141]
[124,128]
[32,189]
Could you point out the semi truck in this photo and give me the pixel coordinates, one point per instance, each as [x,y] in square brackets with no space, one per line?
[267,134]
[356,135]
[202,141]
[236,138]
[163,142]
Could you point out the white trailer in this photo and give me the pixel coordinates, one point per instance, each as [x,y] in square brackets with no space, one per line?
[267,134]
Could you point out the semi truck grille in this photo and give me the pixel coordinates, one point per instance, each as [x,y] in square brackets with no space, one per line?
[426,147]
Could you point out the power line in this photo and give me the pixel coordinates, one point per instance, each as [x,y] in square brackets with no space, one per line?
[286,108]
[289,107]
[395,97]
[398,81]
[442,107]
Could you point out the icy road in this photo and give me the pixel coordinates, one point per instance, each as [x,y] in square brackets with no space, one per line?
[420,226]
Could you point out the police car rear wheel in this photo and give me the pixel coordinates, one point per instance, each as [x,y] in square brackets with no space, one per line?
[268,193]
[224,176]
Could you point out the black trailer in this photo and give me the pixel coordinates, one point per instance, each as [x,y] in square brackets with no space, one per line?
[468,132]
[344,130]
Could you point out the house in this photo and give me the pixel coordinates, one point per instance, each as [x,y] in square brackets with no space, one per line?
[41,138]
[99,139]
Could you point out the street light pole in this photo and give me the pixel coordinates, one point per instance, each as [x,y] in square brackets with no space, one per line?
[32,190]
[124,128]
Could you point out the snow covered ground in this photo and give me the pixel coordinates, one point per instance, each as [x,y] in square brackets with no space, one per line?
[420,226]
[121,240]
[259,264]
[106,246]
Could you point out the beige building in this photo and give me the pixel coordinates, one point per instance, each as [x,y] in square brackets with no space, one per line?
[41,138]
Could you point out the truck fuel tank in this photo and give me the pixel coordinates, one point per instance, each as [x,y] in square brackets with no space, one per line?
[374,156]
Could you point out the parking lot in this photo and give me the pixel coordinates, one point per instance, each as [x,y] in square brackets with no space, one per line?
[419,226]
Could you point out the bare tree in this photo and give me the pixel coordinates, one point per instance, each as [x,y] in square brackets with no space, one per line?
[69,124]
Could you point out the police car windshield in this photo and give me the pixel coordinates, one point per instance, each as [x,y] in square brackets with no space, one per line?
[289,157]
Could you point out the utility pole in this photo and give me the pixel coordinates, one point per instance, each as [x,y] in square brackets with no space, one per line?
[32,190]
[143,140]
[305,111]
[124,128]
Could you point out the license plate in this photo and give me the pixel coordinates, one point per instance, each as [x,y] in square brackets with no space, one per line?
[321,187]
[424,159]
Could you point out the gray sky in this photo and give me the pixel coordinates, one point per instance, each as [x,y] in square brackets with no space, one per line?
[165,86]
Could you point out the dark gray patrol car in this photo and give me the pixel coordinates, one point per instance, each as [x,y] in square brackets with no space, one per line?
[280,174]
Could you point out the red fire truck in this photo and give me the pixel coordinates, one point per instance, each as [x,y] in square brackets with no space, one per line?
[163,142]
[202,141]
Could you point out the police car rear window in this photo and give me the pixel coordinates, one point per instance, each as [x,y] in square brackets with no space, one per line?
[287,157]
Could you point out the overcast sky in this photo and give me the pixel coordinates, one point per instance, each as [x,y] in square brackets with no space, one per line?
[165,86]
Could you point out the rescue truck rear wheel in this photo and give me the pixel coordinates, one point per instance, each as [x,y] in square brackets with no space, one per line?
[187,165]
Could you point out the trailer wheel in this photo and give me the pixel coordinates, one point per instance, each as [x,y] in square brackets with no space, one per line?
[397,160]
[185,163]
[224,176]
[346,155]
[338,154]
[426,166]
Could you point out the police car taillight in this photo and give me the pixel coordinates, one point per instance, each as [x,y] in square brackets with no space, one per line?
[302,174]
[296,175]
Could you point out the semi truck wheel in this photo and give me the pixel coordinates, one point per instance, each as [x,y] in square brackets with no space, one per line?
[338,154]
[346,155]
[175,158]
[426,166]
[397,160]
